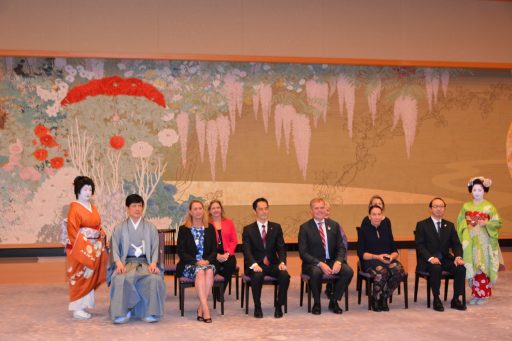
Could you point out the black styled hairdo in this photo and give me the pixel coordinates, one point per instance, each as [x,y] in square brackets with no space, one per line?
[436,198]
[377,197]
[255,202]
[134,199]
[81,181]
[477,182]
[374,206]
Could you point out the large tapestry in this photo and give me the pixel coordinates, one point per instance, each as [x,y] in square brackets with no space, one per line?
[177,130]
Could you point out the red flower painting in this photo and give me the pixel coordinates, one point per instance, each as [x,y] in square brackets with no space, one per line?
[57,162]
[41,154]
[114,86]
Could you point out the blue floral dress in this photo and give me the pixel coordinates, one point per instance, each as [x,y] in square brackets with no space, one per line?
[190,271]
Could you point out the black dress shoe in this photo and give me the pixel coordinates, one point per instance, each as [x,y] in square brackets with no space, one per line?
[278,313]
[258,313]
[438,305]
[316,310]
[384,304]
[457,304]
[335,308]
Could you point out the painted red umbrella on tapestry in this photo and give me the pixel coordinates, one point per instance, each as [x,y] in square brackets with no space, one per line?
[114,86]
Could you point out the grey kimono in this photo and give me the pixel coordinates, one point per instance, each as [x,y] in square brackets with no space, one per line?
[137,290]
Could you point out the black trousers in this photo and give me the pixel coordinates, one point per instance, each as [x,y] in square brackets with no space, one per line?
[283,279]
[226,269]
[458,272]
[315,283]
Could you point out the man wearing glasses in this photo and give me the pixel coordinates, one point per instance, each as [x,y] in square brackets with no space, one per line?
[434,239]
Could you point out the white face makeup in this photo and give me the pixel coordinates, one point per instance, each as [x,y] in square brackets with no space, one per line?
[478,192]
[85,193]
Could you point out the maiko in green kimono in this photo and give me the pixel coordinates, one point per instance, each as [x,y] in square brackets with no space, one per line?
[478,225]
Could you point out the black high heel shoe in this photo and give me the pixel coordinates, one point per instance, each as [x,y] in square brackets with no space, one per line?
[199,317]
[208,320]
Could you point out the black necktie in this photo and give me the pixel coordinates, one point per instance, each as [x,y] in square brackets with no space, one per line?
[438,228]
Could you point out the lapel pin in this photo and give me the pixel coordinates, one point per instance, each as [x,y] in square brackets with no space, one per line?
[329,228]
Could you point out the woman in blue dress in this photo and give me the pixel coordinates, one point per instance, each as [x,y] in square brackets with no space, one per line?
[197,251]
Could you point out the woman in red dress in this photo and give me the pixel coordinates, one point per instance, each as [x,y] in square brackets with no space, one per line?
[85,249]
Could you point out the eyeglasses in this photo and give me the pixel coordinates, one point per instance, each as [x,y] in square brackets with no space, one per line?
[438,206]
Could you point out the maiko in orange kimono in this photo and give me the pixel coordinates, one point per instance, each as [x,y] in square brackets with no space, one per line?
[86,255]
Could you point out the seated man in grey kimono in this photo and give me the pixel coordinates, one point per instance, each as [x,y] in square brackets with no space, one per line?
[137,286]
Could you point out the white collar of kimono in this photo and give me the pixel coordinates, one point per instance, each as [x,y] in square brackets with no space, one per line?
[136,224]
[87,207]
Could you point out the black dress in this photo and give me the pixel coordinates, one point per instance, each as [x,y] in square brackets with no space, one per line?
[379,240]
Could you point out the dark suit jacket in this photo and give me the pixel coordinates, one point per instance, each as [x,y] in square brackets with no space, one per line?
[187,248]
[311,248]
[252,245]
[429,244]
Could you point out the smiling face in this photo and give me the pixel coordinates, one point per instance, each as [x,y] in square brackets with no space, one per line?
[196,211]
[478,192]
[215,211]
[85,194]
[318,210]
[437,209]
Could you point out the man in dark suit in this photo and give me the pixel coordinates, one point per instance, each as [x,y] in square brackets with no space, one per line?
[434,239]
[318,260]
[265,255]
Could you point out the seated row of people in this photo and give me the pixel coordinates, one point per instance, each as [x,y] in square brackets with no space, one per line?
[206,245]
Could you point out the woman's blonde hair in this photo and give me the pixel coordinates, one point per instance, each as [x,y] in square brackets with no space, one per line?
[189,221]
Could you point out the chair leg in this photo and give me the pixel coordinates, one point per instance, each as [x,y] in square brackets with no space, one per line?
[237,278]
[214,289]
[175,285]
[360,290]
[398,291]
[446,284]
[406,295]
[428,292]
[242,296]
[391,297]
[416,282]
[229,285]
[346,298]
[301,297]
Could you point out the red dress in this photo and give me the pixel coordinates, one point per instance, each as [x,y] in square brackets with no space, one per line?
[86,257]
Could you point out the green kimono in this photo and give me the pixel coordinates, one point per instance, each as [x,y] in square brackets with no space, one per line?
[480,244]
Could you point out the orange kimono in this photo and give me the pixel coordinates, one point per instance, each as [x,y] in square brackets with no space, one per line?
[85,250]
